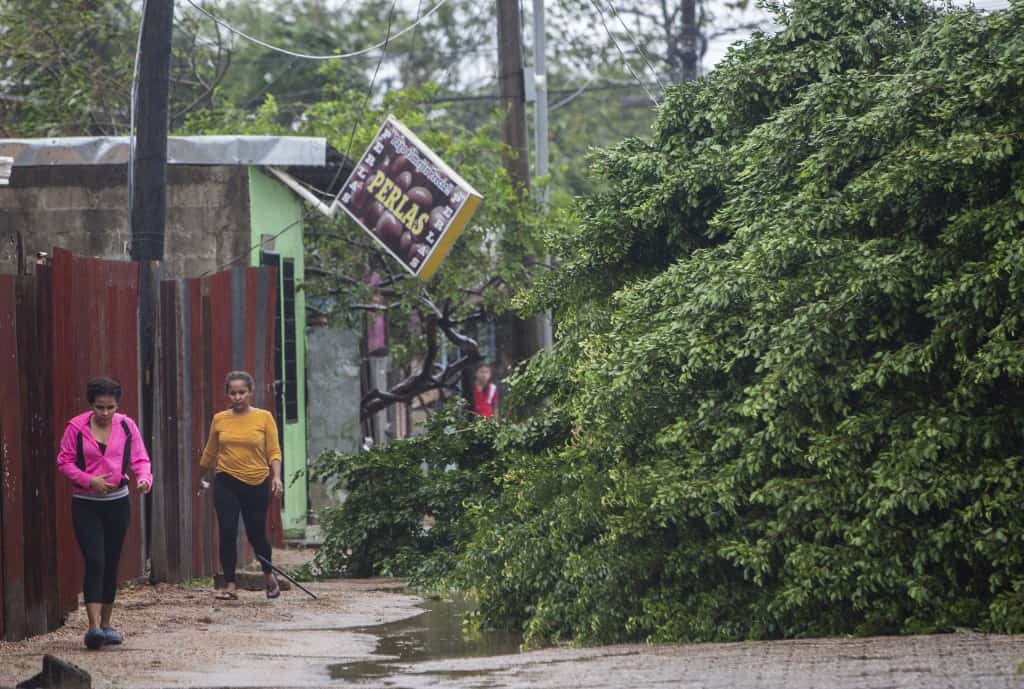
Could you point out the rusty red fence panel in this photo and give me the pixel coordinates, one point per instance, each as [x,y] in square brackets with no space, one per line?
[78,318]
[165,548]
[95,332]
[42,609]
[209,326]
[15,625]
[204,533]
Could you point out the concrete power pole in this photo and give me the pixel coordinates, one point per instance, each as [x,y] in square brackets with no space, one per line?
[147,194]
[512,86]
[148,176]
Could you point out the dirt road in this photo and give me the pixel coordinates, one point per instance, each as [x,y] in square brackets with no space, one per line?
[181,637]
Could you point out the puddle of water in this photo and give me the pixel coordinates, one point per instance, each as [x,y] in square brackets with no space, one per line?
[437,634]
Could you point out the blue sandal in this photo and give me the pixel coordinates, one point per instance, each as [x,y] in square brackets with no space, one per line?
[94,639]
[112,638]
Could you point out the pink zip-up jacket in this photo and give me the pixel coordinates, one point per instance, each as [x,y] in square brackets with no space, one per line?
[97,463]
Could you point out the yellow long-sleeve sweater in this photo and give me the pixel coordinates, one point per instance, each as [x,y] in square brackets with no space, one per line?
[243,445]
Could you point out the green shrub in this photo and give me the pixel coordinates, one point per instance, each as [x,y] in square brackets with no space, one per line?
[788,394]
[406,500]
[791,356]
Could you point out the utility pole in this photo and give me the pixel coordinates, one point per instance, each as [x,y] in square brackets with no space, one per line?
[690,40]
[147,193]
[540,132]
[540,111]
[512,86]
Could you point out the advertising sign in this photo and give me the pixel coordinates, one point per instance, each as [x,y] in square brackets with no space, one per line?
[408,200]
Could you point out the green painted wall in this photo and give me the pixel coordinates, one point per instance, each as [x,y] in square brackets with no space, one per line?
[273,208]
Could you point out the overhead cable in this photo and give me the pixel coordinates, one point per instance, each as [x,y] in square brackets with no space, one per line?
[572,96]
[305,56]
[348,152]
[636,45]
[625,60]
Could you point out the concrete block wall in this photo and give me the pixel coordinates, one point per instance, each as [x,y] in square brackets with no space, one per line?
[85,209]
[333,391]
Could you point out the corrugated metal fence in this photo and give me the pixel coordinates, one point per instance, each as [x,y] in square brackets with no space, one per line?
[76,319]
[208,326]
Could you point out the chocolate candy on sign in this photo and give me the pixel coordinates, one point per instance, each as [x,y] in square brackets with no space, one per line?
[404,244]
[398,166]
[416,250]
[404,180]
[372,213]
[421,197]
[389,229]
[359,195]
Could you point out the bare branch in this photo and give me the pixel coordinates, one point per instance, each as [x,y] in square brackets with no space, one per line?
[426,379]
[736,28]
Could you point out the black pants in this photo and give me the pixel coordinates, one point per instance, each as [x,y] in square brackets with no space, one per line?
[100,527]
[231,496]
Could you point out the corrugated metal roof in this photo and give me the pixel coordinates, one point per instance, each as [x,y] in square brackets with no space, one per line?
[181,150]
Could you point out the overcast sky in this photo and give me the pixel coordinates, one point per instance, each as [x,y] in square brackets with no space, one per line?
[474,72]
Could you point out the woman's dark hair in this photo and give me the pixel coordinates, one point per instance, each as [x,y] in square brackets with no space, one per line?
[102,387]
[239,375]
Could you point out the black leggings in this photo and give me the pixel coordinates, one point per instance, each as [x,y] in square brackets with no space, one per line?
[231,496]
[100,527]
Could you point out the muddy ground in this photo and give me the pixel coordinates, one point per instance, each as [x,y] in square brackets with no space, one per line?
[179,636]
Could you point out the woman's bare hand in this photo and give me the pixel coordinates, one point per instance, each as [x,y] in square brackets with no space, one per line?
[99,484]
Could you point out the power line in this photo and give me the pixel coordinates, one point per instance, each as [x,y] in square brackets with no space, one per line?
[636,45]
[625,60]
[369,94]
[576,91]
[255,246]
[571,97]
[348,151]
[304,56]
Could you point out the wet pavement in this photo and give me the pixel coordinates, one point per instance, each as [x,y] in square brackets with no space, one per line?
[437,634]
[431,651]
[373,634]
[933,662]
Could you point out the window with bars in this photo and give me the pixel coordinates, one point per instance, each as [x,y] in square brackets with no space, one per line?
[286,362]
[273,260]
[291,358]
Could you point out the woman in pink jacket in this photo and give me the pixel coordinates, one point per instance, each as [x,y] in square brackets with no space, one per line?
[98,450]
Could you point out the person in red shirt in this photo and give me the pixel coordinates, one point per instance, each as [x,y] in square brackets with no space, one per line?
[485,393]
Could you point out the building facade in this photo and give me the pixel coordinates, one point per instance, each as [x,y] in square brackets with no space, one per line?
[223,211]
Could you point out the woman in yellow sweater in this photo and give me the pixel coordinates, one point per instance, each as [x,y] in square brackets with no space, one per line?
[244,450]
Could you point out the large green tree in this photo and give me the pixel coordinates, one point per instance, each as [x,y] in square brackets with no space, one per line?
[788,397]
[67,66]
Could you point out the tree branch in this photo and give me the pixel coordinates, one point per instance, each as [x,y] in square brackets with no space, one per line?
[426,379]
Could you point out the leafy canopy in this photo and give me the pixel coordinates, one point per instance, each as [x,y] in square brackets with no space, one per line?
[788,394]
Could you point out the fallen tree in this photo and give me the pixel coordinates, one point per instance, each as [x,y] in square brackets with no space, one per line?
[430,376]
[791,363]
[787,397]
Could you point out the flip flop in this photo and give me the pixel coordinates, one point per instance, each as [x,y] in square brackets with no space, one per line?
[227,595]
[274,592]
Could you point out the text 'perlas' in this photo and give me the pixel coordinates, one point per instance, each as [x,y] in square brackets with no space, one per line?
[407,199]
